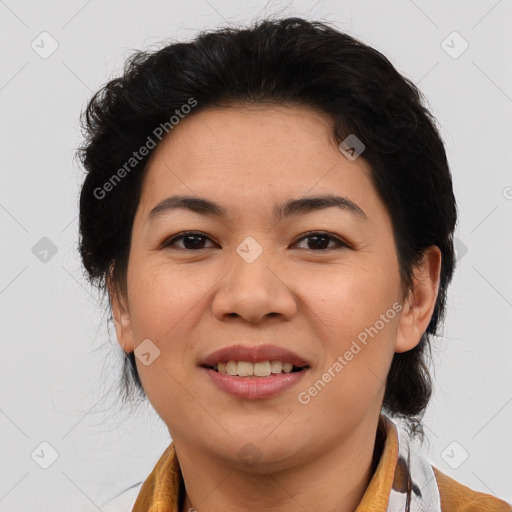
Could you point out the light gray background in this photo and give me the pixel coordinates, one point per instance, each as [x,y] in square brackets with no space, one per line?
[58,367]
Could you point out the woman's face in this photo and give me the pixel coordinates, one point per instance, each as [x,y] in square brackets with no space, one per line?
[253,278]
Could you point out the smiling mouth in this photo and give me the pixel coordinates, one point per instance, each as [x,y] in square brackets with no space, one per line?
[260,369]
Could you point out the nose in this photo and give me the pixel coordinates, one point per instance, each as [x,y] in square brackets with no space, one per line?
[255,290]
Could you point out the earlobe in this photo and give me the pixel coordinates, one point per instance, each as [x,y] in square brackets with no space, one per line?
[420,302]
[121,317]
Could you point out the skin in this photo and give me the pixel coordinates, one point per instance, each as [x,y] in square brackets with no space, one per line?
[190,302]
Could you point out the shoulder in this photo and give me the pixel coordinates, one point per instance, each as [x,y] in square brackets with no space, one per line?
[123,502]
[456,497]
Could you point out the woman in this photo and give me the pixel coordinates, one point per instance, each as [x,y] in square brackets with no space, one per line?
[271,212]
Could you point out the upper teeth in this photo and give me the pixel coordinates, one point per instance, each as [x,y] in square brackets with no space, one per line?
[246,368]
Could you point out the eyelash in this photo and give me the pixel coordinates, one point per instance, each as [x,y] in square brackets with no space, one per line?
[310,234]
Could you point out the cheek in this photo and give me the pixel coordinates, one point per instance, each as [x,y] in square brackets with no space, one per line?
[164,308]
[161,299]
[356,321]
[349,298]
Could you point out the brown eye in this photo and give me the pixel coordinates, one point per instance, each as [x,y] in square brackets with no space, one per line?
[195,241]
[319,241]
[192,240]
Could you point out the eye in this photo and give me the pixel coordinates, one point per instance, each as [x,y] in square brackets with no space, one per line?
[193,239]
[320,238]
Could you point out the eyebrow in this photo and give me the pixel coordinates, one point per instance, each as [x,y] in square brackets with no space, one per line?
[289,208]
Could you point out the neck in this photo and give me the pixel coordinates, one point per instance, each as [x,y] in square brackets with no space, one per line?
[335,481]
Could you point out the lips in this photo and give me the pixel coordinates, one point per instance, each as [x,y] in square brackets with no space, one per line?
[253,354]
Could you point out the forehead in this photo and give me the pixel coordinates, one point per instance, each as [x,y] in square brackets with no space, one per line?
[248,133]
[243,154]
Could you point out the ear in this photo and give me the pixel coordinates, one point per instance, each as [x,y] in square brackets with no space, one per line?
[121,314]
[420,302]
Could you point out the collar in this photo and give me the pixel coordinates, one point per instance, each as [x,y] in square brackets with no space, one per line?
[403,481]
